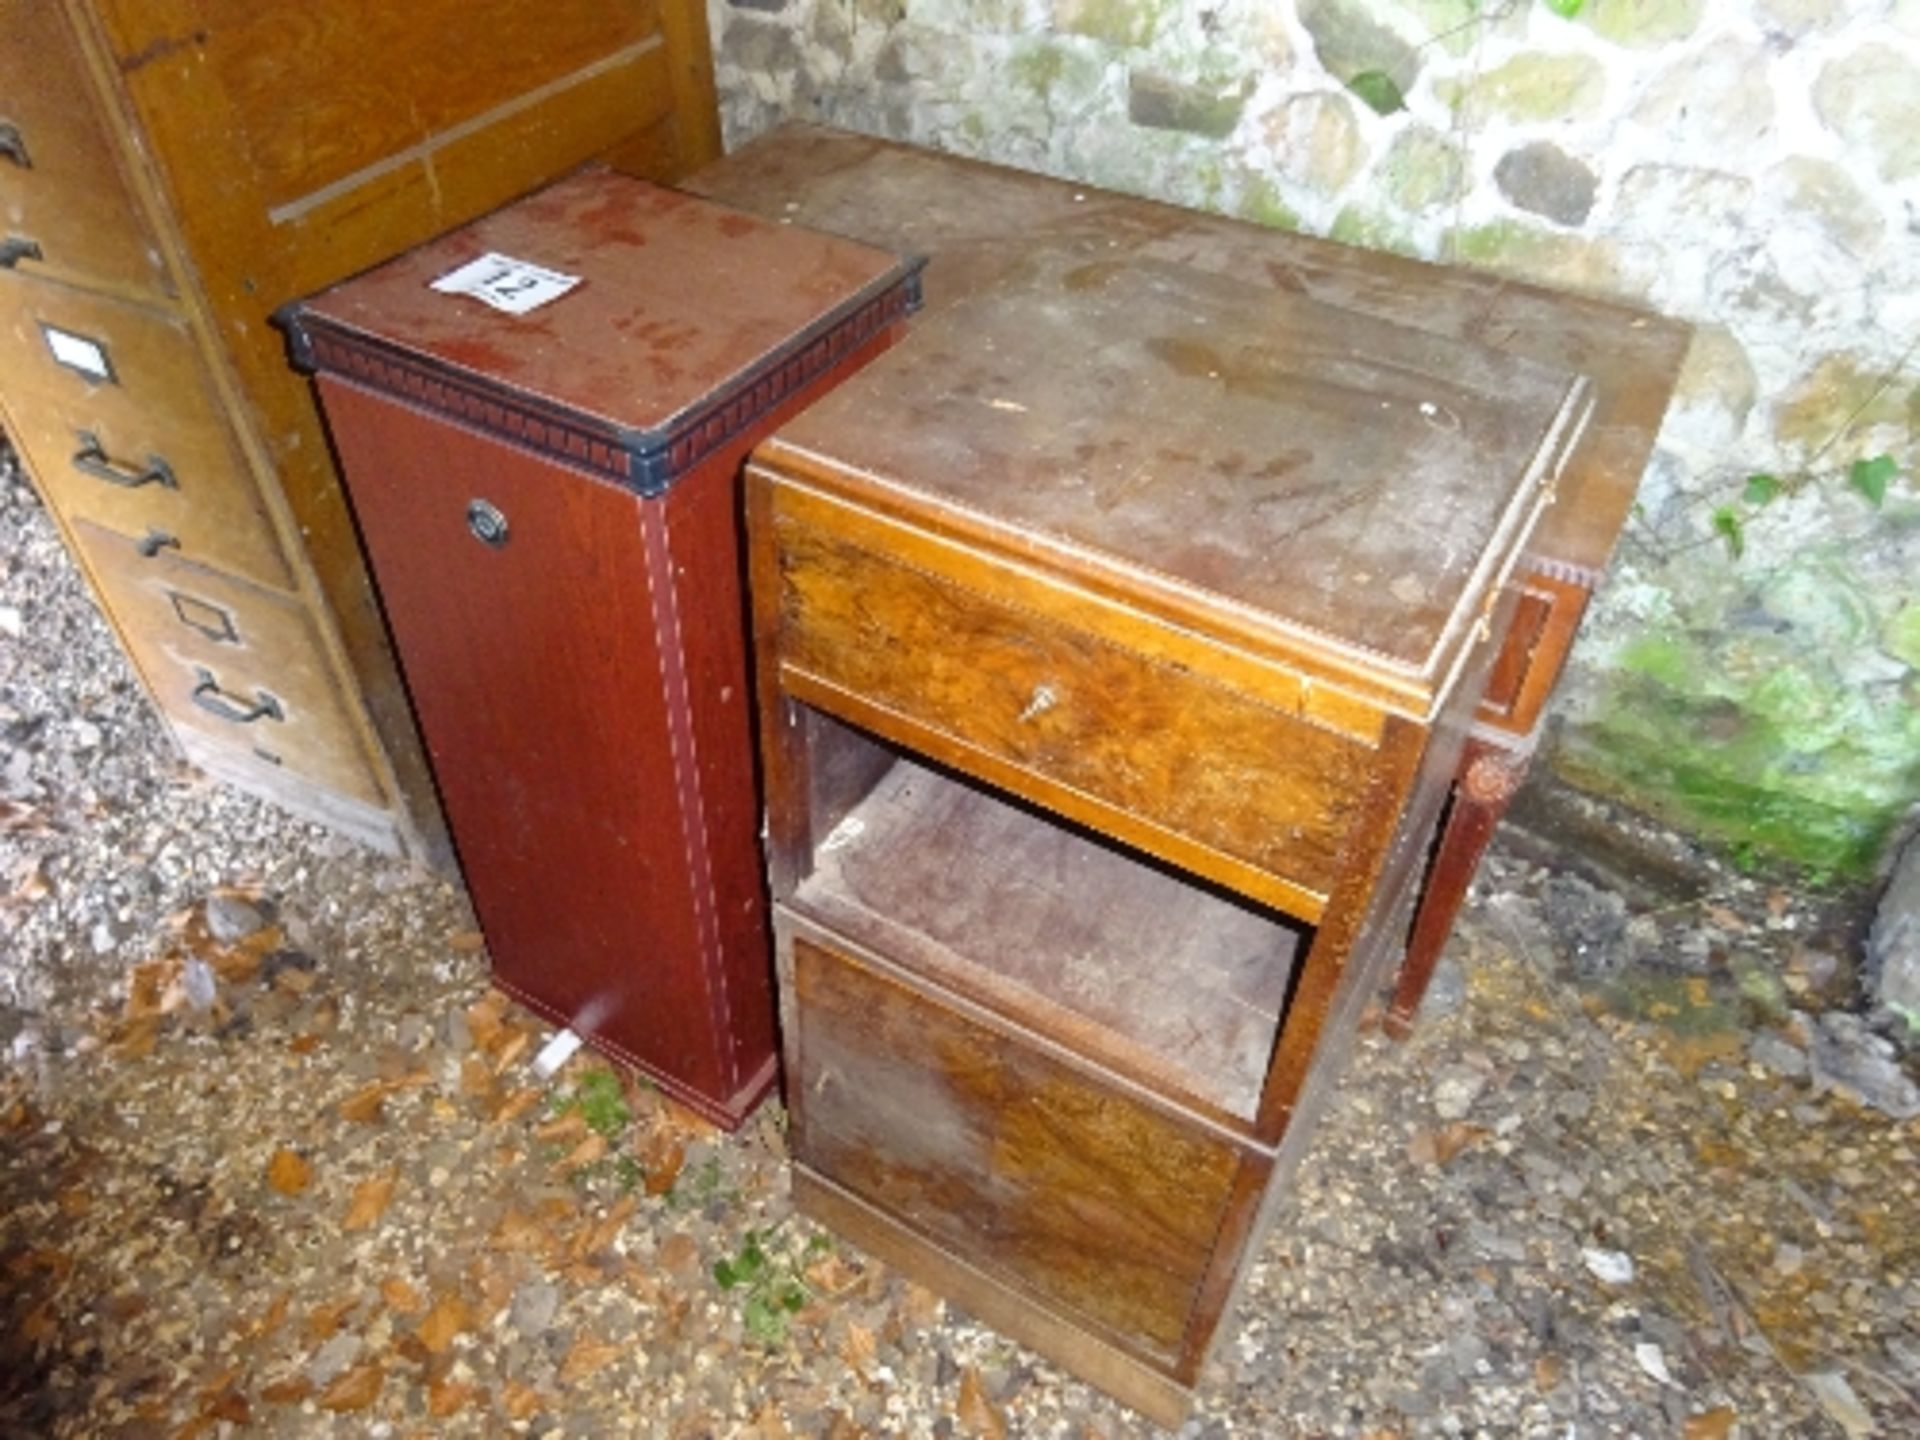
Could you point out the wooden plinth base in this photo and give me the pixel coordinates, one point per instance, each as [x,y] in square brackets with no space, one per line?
[1157,1396]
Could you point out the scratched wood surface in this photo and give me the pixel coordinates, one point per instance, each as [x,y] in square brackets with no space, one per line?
[676,297]
[983,223]
[1035,1170]
[1149,739]
[1040,919]
[1339,475]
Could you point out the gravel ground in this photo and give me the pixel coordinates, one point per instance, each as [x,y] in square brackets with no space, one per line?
[273,1160]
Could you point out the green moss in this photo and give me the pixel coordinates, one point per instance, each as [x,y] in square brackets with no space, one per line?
[1118,22]
[1372,230]
[1900,637]
[1573,262]
[1260,202]
[1747,741]
[1037,68]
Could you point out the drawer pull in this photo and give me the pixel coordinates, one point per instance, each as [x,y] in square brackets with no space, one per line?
[211,698]
[13,145]
[154,541]
[16,248]
[92,459]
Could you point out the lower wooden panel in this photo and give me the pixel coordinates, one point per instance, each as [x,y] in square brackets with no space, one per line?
[1007,1310]
[1073,1192]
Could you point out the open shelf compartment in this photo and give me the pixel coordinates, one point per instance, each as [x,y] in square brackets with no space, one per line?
[1163,976]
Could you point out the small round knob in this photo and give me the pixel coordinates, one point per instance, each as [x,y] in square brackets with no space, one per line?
[488,524]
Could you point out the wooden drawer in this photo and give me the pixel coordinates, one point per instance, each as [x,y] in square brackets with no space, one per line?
[145,450]
[1062,1185]
[61,189]
[1533,652]
[1182,764]
[240,665]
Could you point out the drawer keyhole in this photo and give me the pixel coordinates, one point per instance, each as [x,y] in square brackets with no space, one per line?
[1044,698]
[488,524]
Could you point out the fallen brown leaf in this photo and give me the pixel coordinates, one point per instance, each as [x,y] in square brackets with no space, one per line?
[588,1358]
[1549,1371]
[288,1173]
[327,1319]
[521,1402]
[466,942]
[768,1424]
[516,1105]
[401,1296]
[600,1235]
[589,1151]
[1437,1147]
[290,1391]
[662,1158]
[679,1254]
[977,1413]
[363,1107]
[568,1126]
[1714,1424]
[355,1390]
[859,1348]
[517,1045]
[475,1078]
[486,1018]
[275,1314]
[370,1201]
[518,1231]
[447,1397]
[447,1319]
[229,1405]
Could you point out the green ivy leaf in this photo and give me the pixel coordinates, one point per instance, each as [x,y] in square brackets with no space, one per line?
[1726,524]
[1377,89]
[1567,9]
[724,1273]
[1761,489]
[1870,477]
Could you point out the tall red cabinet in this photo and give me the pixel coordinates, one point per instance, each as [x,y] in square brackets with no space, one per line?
[550,502]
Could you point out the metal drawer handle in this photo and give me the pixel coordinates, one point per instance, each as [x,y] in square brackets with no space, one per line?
[154,541]
[211,698]
[92,459]
[13,145]
[16,248]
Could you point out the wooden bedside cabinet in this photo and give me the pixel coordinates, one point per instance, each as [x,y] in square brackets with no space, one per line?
[1117,638]
[981,223]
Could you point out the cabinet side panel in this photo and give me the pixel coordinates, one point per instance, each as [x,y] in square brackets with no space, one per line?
[536,673]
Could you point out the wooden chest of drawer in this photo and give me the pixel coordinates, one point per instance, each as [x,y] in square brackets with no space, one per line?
[1108,709]
[66,207]
[170,175]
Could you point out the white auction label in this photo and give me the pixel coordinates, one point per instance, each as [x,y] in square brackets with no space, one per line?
[515,286]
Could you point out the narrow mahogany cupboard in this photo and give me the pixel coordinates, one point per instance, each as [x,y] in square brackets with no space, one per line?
[541,419]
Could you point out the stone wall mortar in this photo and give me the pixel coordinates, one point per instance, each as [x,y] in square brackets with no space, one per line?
[1752,166]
